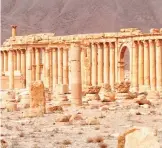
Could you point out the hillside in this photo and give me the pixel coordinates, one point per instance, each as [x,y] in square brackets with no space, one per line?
[79,16]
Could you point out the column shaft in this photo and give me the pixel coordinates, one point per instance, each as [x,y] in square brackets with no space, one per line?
[11,70]
[83,67]
[112,64]
[135,67]
[146,65]
[55,67]
[152,65]
[18,60]
[60,66]
[15,60]
[46,68]
[100,64]
[76,86]
[106,63]
[141,64]
[37,56]
[33,66]
[65,66]
[2,63]
[159,65]
[28,66]
[23,67]
[94,64]
[5,61]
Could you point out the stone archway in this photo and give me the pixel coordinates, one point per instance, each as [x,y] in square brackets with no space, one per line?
[124,64]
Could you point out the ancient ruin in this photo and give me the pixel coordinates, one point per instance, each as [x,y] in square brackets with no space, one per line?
[76,62]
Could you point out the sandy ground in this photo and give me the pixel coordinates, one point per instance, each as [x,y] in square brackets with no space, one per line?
[45,132]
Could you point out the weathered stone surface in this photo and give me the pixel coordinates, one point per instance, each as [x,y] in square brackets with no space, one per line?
[142,101]
[92,121]
[52,109]
[92,90]
[37,95]
[33,112]
[11,106]
[122,96]
[107,97]
[63,118]
[141,138]
[90,97]
[122,87]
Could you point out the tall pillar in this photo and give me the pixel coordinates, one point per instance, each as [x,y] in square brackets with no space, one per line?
[50,69]
[88,65]
[152,65]
[94,64]
[37,57]
[83,67]
[29,70]
[106,63]
[47,68]
[141,65]
[60,66]
[2,63]
[65,66]
[33,65]
[159,65]
[18,60]
[5,61]
[146,66]
[55,67]
[135,67]
[43,64]
[76,85]
[23,67]
[112,64]
[15,60]
[11,69]
[100,64]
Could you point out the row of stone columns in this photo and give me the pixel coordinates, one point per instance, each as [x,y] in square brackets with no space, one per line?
[55,65]
[101,63]
[16,60]
[147,65]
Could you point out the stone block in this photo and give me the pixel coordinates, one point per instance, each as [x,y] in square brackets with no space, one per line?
[61,89]
[37,96]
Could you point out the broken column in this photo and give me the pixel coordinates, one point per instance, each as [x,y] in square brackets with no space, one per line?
[76,86]
[37,97]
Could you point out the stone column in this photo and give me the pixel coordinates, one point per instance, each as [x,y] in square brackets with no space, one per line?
[83,67]
[135,67]
[33,65]
[76,86]
[65,66]
[29,69]
[55,67]
[50,69]
[100,64]
[112,64]
[141,65]
[13,30]
[152,65]
[146,66]
[5,61]
[159,65]
[47,68]
[94,65]
[88,66]
[2,62]
[23,67]
[60,66]
[18,60]
[15,60]
[106,63]
[37,57]
[11,69]
[43,63]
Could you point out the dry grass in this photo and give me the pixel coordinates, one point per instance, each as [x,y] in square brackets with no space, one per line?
[66,142]
[103,145]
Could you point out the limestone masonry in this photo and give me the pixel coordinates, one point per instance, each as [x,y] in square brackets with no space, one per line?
[78,61]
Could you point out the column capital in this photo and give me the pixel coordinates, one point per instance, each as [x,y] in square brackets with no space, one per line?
[158,43]
[145,43]
[112,45]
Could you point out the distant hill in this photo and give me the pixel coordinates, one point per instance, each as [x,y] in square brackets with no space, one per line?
[79,16]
